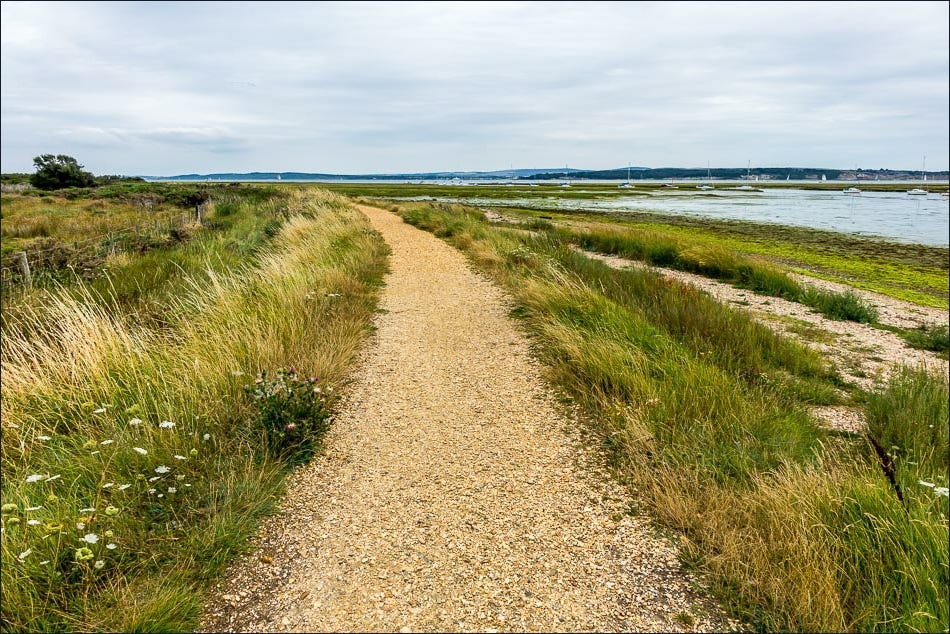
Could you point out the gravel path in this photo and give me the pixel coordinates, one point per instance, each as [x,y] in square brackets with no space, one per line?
[452,494]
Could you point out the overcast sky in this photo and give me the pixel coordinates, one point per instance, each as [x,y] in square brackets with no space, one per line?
[171,88]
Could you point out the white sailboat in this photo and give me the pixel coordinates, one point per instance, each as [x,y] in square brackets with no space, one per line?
[627,184]
[706,186]
[748,176]
[917,191]
[852,189]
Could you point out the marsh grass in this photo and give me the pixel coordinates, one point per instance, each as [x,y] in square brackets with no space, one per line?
[720,264]
[141,434]
[705,416]
[933,338]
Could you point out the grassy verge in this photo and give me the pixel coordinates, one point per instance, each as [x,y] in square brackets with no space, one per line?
[719,263]
[135,464]
[914,273]
[704,414]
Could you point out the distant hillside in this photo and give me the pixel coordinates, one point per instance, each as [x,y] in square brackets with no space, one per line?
[743,173]
[619,173]
[307,176]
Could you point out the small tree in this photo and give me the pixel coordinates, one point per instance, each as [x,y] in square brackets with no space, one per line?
[57,172]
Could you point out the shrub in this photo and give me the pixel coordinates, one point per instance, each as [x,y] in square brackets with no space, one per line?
[58,172]
[292,412]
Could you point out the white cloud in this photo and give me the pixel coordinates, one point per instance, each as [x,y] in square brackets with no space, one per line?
[162,88]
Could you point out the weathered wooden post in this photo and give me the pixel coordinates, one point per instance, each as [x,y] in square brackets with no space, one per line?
[24,265]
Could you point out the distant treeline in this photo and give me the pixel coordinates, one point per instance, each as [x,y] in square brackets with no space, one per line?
[736,173]
[18,178]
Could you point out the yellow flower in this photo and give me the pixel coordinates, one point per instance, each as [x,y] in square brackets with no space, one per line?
[83,554]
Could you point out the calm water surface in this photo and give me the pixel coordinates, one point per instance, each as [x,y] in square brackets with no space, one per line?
[893,215]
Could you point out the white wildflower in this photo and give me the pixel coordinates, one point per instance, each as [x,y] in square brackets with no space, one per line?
[944,491]
[207,436]
[35,477]
[172,490]
[123,487]
[926,484]
[140,450]
[153,478]
[177,457]
[161,495]
[24,554]
[108,441]
[33,522]
[162,469]
[43,438]
[150,491]
[101,410]
[80,525]
[99,564]
[108,485]
[44,562]
[111,546]
[135,421]
[166,424]
[90,538]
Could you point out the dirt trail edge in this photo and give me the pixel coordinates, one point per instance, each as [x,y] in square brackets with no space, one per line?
[452,495]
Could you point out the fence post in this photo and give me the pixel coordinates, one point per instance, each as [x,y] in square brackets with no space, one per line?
[24,265]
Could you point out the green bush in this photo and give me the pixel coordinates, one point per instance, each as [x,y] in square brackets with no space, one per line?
[292,412]
[58,172]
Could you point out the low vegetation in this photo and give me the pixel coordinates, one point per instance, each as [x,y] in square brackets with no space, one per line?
[705,415]
[911,272]
[139,453]
[722,264]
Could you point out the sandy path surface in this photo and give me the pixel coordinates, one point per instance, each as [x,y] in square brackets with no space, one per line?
[452,494]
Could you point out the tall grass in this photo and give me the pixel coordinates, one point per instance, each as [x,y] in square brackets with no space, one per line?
[142,436]
[797,529]
[720,264]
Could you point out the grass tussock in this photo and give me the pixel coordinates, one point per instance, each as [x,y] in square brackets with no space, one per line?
[721,264]
[705,415]
[134,463]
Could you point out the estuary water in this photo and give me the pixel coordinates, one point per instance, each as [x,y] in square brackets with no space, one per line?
[895,216]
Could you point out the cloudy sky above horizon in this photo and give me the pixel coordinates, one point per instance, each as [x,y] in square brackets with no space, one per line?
[172,88]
